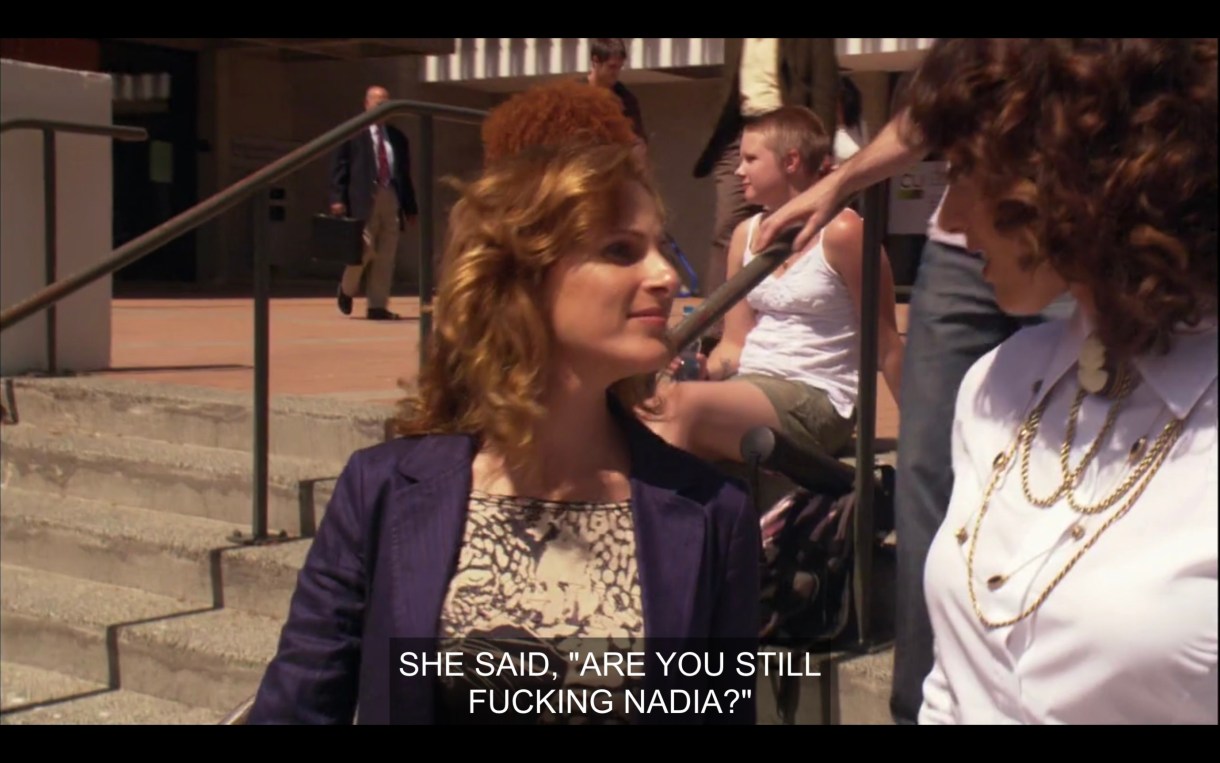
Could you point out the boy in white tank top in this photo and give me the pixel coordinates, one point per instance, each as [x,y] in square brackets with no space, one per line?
[789,358]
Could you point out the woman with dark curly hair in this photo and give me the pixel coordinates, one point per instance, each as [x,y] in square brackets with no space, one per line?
[1074,579]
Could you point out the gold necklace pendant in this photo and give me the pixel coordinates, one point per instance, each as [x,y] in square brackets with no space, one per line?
[1097,375]
[1137,450]
[1093,380]
[1091,366]
[1092,353]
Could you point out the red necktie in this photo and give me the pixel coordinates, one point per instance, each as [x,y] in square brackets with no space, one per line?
[383,161]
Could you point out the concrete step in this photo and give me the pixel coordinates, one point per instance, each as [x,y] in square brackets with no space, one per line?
[71,625]
[23,687]
[168,554]
[864,689]
[302,427]
[860,686]
[172,555]
[211,483]
[261,579]
[32,696]
[131,640]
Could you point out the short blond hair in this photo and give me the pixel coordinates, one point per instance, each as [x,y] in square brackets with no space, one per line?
[794,128]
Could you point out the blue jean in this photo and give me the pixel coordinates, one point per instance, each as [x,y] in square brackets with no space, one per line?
[954,321]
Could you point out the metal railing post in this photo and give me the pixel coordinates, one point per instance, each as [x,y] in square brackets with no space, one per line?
[260,259]
[873,210]
[50,238]
[252,187]
[262,361]
[218,203]
[427,234]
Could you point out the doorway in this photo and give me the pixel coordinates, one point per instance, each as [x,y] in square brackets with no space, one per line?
[156,89]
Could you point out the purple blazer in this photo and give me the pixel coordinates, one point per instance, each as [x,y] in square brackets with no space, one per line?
[389,541]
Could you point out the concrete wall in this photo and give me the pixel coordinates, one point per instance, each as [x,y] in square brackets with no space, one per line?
[85,209]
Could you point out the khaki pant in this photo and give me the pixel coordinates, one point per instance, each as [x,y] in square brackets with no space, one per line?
[806,415]
[380,252]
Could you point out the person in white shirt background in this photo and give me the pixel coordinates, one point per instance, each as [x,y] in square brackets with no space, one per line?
[852,134]
[789,357]
[1074,579]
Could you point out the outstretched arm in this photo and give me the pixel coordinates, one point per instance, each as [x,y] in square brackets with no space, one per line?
[885,157]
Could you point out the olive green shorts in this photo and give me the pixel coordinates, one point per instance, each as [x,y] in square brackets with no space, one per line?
[806,415]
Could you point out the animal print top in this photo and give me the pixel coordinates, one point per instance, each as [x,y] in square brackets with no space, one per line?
[547,576]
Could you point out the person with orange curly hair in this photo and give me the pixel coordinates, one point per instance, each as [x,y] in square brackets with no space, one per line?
[1074,579]
[555,114]
[522,502]
[569,111]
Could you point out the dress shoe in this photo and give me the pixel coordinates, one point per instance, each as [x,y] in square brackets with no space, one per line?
[381,314]
[345,302]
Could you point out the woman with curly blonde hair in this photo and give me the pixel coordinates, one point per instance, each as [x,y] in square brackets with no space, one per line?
[523,499]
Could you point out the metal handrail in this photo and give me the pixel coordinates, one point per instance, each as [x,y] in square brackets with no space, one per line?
[49,128]
[244,189]
[221,202]
[118,132]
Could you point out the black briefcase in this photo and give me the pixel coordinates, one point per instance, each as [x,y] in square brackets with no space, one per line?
[338,239]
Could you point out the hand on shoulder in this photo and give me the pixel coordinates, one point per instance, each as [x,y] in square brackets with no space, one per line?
[845,231]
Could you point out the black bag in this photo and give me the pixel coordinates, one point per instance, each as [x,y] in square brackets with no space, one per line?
[807,569]
[338,239]
[809,546]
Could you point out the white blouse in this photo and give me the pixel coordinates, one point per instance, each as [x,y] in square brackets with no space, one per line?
[1129,635]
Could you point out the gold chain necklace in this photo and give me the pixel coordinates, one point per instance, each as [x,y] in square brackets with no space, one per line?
[1071,477]
[1143,474]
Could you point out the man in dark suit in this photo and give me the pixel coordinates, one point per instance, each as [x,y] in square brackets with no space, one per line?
[760,75]
[371,181]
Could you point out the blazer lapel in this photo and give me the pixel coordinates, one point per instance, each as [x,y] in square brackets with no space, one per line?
[427,520]
[669,540]
[671,534]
